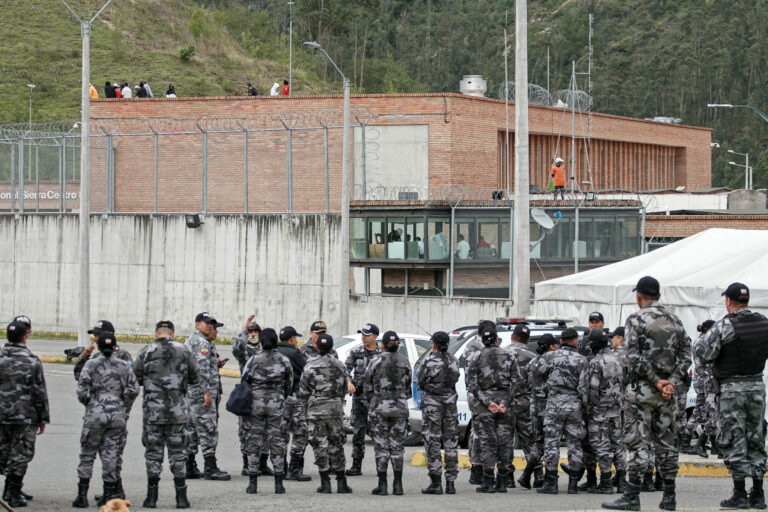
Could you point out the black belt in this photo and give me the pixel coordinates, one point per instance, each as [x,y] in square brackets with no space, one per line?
[741,378]
[663,375]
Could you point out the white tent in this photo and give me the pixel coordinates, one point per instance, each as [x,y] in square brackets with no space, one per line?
[692,272]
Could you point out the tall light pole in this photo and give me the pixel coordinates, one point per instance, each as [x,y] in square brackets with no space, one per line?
[85,178]
[31,86]
[522,282]
[344,260]
[762,115]
[290,47]
[747,168]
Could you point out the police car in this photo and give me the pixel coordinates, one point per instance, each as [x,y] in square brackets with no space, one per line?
[504,326]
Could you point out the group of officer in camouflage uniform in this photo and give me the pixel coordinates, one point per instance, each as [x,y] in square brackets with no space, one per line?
[615,398]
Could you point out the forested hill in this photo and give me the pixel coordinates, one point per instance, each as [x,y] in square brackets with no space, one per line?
[651,57]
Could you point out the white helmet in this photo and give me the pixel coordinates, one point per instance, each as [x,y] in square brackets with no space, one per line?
[559,160]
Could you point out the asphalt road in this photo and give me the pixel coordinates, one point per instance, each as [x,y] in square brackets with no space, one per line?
[52,478]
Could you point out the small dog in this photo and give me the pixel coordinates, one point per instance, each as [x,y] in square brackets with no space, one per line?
[116,505]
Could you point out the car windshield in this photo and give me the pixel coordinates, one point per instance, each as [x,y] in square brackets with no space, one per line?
[338,343]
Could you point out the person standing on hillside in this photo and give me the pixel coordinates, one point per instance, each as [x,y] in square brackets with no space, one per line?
[109,90]
[558,178]
[286,88]
[92,92]
[126,91]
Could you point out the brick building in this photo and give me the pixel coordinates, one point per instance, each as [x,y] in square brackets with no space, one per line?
[423,141]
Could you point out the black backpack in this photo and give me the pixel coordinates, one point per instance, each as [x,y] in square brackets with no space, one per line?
[241,399]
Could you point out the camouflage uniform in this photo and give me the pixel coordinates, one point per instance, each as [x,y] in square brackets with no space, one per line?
[564,373]
[311,353]
[657,348]
[387,389]
[107,387]
[741,411]
[295,416]
[538,405]
[122,355]
[357,363]
[321,389]
[471,353]
[165,369]
[588,451]
[523,425]
[271,378]
[437,377]
[242,353]
[494,377]
[23,406]
[705,411]
[202,429]
[606,401]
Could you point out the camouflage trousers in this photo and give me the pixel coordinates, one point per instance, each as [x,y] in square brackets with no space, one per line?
[388,435]
[241,435]
[441,425]
[537,445]
[495,433]
[327,438]
[106,442]
[559,421]
[606,436]
[681,419]
[741,438]
[265,434]
[295,422]
[474,441]
[360,428]
[704,414]
[650,433]
[590,456]
[202,430]
[17,447]
[157,437]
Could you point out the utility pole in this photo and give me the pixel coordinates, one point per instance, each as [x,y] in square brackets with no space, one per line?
[85,179]
[290,47]
[522,243]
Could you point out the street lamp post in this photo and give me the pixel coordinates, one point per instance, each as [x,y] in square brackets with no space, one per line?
[747,168]
[344,260]
[31,86]
[290,47]
[762,115]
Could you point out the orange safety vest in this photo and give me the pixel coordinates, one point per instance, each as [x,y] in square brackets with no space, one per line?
[558,173]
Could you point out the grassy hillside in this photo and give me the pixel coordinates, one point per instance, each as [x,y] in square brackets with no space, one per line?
[132,40]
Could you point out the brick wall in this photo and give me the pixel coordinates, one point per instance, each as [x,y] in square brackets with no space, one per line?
[680,226]
[464,149]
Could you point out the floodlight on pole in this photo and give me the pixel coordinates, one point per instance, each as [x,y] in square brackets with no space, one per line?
[85,177]
[344,259]
[762,115]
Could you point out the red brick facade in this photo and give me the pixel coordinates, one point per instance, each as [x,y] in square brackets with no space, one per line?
[681,226]
[465,148]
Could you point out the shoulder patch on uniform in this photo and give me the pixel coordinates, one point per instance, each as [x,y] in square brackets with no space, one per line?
[204,351]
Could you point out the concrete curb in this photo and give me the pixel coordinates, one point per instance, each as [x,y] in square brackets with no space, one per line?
[224,372]
[686,468]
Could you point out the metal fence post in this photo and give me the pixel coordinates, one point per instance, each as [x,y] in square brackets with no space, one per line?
[13,178]
[21,175]
[245,170]
[362,156]
[325,146]
[37,178]
[63,197]
[289,154]
[110,176]
[156,155]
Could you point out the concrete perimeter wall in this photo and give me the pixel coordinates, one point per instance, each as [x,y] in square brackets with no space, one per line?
[283,269]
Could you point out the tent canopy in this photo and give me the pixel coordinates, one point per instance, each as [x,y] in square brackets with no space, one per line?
[692,272]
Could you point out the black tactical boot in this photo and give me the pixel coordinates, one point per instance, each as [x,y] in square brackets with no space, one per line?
[501,481]
[253,484]
[279,489]
[264,469]
[356,469]
[591,482]
[341,483]
[152,492]
[381,489]
[701,447]
[181,493]
[14,492]
[621,481]
[510,477]
[476,475]
[435,486]
[573,484]
[525,477]
[193,472]
[212,472]
[538,477]
[658,481]
[109,493]
[550,484]
[488,483]
[630,500]
[713,447]
[684,443]
[647,484]
[82,494]
[119,491]
[756,497]
[605,486]
[244,471]
[325,483]
[296,470]
[668,500]
[450,488]
[28,497]
[397,483]
[739,499]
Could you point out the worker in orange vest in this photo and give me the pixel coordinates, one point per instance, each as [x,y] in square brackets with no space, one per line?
[558,178]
